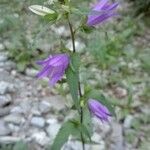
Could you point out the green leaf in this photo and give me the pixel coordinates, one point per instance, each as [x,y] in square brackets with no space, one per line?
[86,29]
[41,10]
[101,98]
[87,120]
[73,78]
[85,131]
[67,129]
[51,17]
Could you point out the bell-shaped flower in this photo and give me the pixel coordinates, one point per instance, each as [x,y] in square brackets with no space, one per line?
[54,67]
[101,11]
[99,110]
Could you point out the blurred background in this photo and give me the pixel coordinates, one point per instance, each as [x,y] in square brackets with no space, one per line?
[115,62]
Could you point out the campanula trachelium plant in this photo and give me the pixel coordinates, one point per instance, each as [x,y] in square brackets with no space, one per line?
[56,66]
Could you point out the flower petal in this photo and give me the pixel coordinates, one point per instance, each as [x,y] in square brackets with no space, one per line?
[53,67]
[100,5]
[93,20]
[99,110]
[44,72]
[102,11]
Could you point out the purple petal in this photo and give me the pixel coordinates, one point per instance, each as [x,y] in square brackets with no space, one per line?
[100,5]
[93,20]
[45,61]
[56,71]
[54,67]
[44,72]
[99,110]
[56,78]
[101,12]
[113,6]
[59,60]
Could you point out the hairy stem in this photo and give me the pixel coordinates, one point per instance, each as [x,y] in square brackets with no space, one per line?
[79,85]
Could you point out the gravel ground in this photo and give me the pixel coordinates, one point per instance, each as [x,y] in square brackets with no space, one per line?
[32,112]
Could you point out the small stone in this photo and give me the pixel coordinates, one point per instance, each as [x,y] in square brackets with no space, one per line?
[14,73]
[51,121]
[4,100]
[9,65]
[13,128]
[117,137]
[128,121]
[73,145]
[120,92]
[40,138]
[4,111]
[35,109]
[2,47]
[3,57]
[79,45]
[100,128]
[4,130]
[2,64]
[53,129]
[44,107]
[57,102]
[15,119]
[9,139]
[4,75]
[17,110]
[100,146]
[3,87]
[61,31]
[96,137]
[35,112]
[26,106]
[38,122]
[6,87]
[31,72]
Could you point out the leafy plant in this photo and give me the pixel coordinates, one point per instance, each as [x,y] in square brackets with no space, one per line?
[15,29]
[106,48]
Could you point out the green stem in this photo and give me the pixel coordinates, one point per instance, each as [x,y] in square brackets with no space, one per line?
[81,116]
[72,35]
[79,86]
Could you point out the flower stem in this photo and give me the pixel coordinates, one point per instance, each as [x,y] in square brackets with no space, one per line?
[72,35]
[79,85]
[81,116]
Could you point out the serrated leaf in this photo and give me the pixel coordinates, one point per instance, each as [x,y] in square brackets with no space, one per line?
[101,98]
[85,131]
[87,120]
[41,10]
[67,129]
[51,17]
[73,78]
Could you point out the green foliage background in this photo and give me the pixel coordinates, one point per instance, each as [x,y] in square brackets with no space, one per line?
[141,7]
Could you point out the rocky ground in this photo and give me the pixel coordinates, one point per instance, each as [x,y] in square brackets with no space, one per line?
[32,112]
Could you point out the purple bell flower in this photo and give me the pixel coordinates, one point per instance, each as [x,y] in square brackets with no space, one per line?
[54,67]
[99,110]
[101,11]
